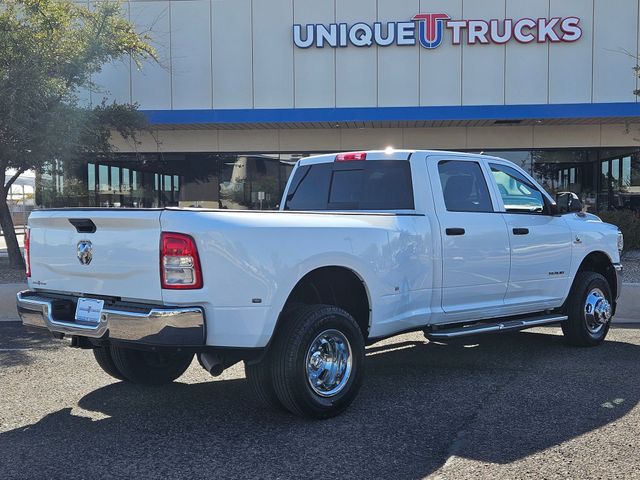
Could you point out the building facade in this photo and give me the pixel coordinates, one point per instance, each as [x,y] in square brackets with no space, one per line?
[245,87]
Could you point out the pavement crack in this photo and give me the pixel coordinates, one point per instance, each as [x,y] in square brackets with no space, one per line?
[454,448]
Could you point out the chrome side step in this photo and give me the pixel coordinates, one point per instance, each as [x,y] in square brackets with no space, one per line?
[444,333]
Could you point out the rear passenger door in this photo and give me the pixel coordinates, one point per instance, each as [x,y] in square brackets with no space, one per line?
[475,241]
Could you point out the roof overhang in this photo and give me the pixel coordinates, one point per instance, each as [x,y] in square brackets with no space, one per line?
[400,117]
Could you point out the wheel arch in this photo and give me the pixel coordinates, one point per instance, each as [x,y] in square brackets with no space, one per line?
[600,262]
[336,285]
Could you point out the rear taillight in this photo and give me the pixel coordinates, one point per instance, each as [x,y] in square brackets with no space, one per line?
[351,156]
[27,249]
[179,262]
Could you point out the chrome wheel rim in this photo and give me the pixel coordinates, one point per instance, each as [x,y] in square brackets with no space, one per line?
[328,363]
[597,310]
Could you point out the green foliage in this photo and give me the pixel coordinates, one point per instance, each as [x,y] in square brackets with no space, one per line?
[629,224]
[49,50]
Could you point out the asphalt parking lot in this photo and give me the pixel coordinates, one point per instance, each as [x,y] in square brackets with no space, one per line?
[512,406]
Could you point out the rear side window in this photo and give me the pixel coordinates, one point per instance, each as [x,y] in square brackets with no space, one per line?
[359,185]
[464,187]
[309,188]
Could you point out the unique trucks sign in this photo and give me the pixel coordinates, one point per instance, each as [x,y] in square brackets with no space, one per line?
[428,29]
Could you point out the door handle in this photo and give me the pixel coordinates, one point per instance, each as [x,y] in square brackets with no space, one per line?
[521,231]
[455,231]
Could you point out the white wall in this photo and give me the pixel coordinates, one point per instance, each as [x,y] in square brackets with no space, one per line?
[151,82]
[398,68]
[191,78]
[615,42]
[232,49]
[231,54]
[566,59]
[483,74]
[272,53]
[356,68]
[441,69]
[314,68]
[114,81]
[526,66]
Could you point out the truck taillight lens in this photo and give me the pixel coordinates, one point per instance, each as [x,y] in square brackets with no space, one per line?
[351,156]
[27,249]
[179,262]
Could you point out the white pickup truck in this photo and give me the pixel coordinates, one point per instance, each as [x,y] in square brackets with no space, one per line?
[366,245]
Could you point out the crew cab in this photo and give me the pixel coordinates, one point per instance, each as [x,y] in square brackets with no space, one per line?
[365,245]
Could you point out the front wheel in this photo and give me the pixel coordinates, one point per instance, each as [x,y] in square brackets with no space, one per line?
[589,310]
[317,364]
[150,368]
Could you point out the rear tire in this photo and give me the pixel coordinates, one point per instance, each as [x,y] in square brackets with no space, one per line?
[259,373]
[589,310]
[105,360]
[150,368]
[317,365]
[259,378]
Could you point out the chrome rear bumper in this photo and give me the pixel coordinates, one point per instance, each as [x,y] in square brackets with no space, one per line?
[148,325]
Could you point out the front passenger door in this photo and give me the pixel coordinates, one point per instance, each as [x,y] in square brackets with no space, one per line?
[540,242]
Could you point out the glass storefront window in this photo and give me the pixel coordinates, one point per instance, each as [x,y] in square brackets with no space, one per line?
[615,171]
[126,182]
[115,179]
[91,177]
[605,175]
[257,180]
[626,172]
[620,183]
[635,171]
[103,178]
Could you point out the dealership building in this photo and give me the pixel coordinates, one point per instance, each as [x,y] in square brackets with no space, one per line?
[246,87]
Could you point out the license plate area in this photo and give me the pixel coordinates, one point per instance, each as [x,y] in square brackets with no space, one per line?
[89,310]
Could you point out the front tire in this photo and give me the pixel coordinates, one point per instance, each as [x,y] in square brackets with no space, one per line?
[589,310]
[150,368]
[317,364]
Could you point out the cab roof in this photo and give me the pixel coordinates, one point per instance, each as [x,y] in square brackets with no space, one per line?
[388,154]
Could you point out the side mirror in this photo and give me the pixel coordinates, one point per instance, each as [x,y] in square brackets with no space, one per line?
[568,202]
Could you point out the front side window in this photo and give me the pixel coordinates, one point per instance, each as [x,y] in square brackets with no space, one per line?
[518,193]
[464,187]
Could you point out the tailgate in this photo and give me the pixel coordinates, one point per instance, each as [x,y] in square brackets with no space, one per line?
[123,251]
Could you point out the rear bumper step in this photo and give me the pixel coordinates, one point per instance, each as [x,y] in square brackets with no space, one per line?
[156,326]
[502,326]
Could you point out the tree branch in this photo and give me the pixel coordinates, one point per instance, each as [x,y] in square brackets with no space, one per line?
[19,172]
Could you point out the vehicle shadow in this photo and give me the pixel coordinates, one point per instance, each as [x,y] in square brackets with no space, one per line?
[18,342]
[498,400]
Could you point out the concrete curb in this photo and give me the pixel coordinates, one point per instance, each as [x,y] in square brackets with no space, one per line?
[8,291]
[629,305]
